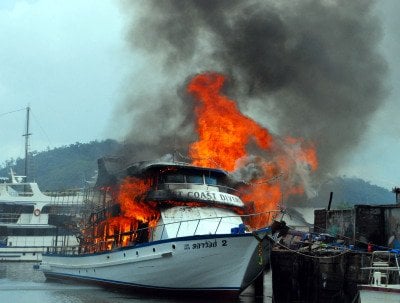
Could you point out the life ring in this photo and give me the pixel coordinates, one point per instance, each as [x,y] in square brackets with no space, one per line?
[36,212]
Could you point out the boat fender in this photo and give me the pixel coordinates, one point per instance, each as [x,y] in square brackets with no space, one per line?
[36,212]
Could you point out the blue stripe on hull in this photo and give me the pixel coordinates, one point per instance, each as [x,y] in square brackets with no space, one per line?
[132,287]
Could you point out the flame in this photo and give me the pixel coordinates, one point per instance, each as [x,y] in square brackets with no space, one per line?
[131,198]
[263,197]
[223,135]
[117,231]
[135,214]
[223,130]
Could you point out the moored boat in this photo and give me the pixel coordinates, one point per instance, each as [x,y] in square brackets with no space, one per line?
[31,222]
[168,227]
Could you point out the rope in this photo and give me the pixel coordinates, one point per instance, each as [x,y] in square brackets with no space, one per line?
[40,126]
[13,111]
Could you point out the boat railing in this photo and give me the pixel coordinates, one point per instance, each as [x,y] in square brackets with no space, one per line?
[63,250]
[216,222]
[184,228]
[16,192]
[68,197]
[9,217]
[36,242]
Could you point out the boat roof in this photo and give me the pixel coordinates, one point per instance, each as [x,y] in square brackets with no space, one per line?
[142,167]
[112,170]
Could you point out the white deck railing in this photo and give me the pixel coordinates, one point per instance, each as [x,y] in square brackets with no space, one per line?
[158,232]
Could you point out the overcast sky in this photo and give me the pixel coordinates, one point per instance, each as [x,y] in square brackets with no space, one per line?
[69,61]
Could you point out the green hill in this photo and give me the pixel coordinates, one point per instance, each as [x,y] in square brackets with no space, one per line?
[64,167]
[350,191]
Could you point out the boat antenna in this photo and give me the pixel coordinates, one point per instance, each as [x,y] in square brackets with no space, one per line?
[26,135]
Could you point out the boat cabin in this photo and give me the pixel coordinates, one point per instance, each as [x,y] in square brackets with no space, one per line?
[185,183]
[161,200]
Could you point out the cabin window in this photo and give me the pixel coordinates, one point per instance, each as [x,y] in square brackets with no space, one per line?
[189,178]
[10,209]
[20,231]
[211,180]
[21,190]
[29,232]
[3,231]
[175,178]
[194,179]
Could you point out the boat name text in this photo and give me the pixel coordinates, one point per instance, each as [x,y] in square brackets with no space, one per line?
[209,196]
[206,244]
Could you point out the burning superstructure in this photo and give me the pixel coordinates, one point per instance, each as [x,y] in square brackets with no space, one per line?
[135,201]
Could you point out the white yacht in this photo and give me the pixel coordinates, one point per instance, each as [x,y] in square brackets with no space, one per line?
[31,222]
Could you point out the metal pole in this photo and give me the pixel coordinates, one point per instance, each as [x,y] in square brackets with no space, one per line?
[26,135]
[330,201]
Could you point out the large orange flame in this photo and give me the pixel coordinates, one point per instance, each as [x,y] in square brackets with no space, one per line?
[224,133]
[223,130]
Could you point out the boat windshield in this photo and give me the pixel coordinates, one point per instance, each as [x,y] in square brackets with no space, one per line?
[190,178]
[21,190]
[196,179]
[173,178]
[210,180]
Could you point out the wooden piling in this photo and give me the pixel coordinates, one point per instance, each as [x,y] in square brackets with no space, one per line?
[259,286]
[323,276]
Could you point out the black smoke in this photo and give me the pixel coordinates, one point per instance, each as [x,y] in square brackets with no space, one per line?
[309,68]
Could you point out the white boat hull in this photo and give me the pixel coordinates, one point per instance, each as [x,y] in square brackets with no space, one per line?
[206,264]
[32,248]
[373,294]
[21,253]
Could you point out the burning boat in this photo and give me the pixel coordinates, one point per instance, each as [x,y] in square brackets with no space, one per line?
[178,227]
[170,227]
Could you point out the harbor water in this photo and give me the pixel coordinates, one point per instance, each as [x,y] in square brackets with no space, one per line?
[20,283]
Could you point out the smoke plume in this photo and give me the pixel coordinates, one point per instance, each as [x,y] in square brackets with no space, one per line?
[307,68]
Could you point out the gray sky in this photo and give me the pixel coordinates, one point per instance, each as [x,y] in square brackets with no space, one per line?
[69,60]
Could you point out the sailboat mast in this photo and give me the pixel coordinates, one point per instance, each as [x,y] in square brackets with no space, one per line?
[26,135]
